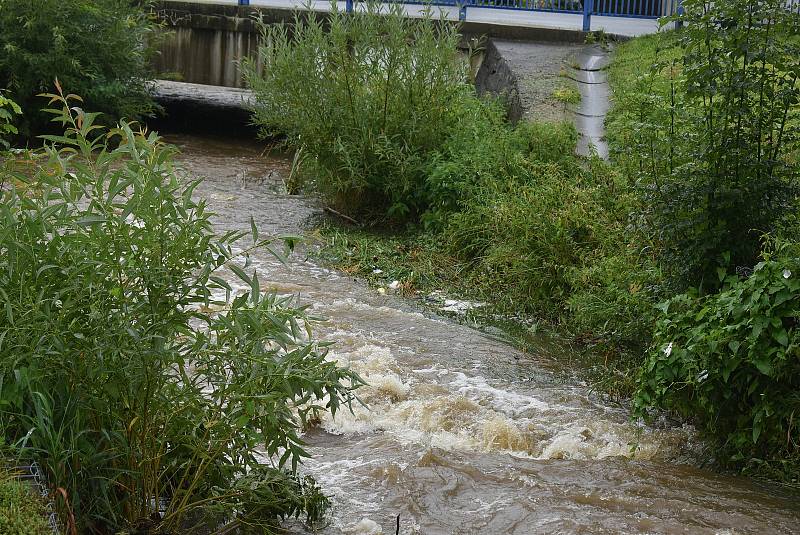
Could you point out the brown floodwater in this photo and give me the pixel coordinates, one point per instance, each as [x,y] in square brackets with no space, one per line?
[462,433]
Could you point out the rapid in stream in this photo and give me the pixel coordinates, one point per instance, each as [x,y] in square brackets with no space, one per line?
[464,434]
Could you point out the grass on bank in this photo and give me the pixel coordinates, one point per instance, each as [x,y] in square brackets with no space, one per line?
[22,510]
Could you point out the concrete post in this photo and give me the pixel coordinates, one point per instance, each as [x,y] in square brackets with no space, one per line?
[588,7]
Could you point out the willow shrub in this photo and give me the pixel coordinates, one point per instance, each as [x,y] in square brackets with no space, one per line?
[147,408]
[366,97]
[100,49]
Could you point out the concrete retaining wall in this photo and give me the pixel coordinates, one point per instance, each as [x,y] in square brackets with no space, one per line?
[495,76]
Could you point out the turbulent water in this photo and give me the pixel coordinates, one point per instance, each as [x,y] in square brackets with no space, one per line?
[464,434]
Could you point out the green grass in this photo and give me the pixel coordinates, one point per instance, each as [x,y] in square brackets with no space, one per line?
[415,259]
[22,511]
[631,61]
[567,95]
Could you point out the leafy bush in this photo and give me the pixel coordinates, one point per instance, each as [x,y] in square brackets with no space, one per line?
[116,374]
[8,109]
[21,511]
[364,105]
[730,361]
[98,48]
[713,132]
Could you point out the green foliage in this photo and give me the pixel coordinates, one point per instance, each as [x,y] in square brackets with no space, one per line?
[8,109]
[22,512]
[639,81]
[529,214]
[709,137]
[486,150]
[712,134]
[731,362]
[367,97]
[613,295]
[146,385]
[98,48]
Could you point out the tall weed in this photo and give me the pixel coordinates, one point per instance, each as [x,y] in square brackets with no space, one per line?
[367,96]
[528,215]
[713,128]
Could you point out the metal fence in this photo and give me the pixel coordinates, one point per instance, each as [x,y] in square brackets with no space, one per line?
[646,9]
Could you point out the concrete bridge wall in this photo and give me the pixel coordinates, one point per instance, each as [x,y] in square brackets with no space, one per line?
[206,41]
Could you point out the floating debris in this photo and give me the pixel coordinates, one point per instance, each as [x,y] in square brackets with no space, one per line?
[460,307]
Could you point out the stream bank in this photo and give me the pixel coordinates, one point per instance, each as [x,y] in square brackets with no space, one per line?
[463,433]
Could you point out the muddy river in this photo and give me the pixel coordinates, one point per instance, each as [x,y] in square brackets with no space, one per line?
[464,434]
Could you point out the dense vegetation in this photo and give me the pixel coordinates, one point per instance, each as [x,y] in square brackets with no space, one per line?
[365,109]
[710,137]
[153,393]
[676,262]
[100,49]
[147,389]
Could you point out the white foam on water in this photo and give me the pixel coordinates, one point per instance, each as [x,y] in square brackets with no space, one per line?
[436,407]
[505,401]
[365,526]
[336,306]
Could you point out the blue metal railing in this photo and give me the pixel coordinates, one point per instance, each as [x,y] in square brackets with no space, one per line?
[643,9]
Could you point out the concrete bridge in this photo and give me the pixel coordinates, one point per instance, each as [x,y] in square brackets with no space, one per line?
[525,55]
[210,36]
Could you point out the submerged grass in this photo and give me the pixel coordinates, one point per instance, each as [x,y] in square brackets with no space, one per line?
[419,267]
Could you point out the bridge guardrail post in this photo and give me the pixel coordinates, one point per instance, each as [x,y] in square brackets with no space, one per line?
[348,6]
[462,10]
[588,7]
[244,2]
[679,12]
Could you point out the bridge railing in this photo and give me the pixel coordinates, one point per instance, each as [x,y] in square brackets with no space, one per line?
[645,9]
